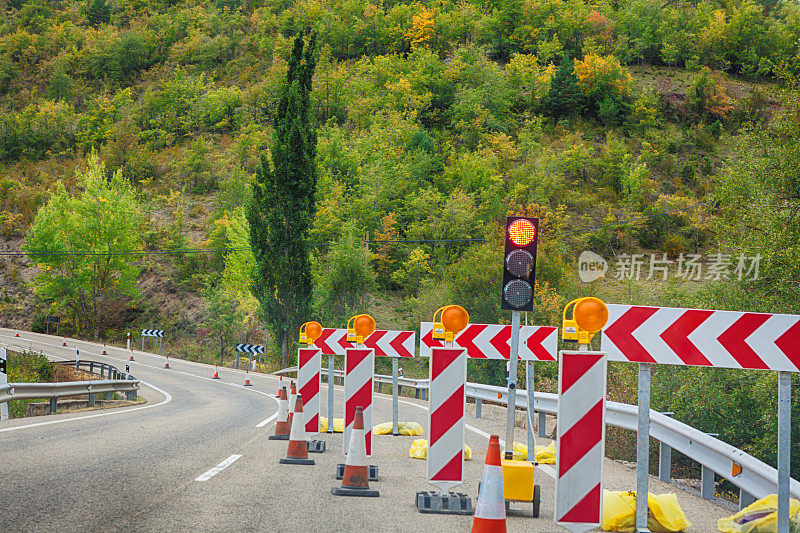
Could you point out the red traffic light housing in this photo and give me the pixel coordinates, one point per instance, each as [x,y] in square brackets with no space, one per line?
[519,263]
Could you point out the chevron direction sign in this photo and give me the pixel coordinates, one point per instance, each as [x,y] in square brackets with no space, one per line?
[152,333]
[250,348]
[492,341]
[725,339]
[386,343]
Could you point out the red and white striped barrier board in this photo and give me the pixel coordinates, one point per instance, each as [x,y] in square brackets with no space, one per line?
[581,438]
[448,373]
[725,339]
[492,341]
[359,365]
[386,343]
[309,361]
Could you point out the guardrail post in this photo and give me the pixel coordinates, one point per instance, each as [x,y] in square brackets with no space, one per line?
[542,431]
[745,499]
[91,399]
[416,393]
[53,405]
[478,404]
[665,459]
[664,462]
[102,370]
[706,482]
[91,367]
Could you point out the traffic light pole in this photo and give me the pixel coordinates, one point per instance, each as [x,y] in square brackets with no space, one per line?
[512,384]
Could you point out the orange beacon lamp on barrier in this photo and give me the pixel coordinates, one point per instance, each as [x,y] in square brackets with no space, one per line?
[589,315]
[309,332]
[452,319]
[359,328]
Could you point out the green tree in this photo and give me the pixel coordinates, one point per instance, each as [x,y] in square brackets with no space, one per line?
[98,13]
[283,205]
[103,218]
[565,97]
[222,317]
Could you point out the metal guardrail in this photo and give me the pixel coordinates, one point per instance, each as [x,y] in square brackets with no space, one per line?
[756,480]
[117,382]
[27,391]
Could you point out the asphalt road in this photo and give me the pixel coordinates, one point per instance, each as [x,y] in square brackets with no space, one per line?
[137,468]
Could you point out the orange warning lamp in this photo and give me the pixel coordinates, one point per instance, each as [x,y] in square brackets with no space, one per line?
[359,328]
[452,319]
[309,332]
[589,315]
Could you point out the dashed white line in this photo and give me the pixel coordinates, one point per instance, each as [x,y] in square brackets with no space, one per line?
[219,468]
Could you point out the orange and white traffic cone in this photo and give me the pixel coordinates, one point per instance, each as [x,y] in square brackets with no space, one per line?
[292,398]
[280,384]
[297,454]
[104,349]
[64,342]
[490,511]
[355,481]
[247,379]
[166,364]
[282,427]
[216,373]
[16,334]
[131,352]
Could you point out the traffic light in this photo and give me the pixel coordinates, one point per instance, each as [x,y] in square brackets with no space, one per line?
[519,263]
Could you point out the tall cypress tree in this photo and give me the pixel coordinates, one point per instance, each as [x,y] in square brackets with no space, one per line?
[283,207]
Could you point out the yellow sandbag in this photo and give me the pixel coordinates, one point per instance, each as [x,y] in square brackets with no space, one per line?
[338,425]
[419,450]
[409,429]
[543,454]
[664,514]
[382,429]
[760,517]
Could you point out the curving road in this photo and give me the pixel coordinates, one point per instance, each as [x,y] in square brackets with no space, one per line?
[152,468]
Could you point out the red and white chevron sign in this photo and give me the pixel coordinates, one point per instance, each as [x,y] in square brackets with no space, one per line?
[492,341]
[725,339]
[359,365]
[308,383]
[581,438]
[386,343]
[448,374]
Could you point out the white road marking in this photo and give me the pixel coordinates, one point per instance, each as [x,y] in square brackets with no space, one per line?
[270,419]
[219,468]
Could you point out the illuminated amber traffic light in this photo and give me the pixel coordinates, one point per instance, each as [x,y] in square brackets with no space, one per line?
[519,263]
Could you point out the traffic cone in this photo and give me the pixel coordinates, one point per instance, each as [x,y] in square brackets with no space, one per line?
[131,352]
[216,373]
[280,384]
[166,364]
[16,334]
[64,342]
[490,511]
[297,454]
[292,397]
[104,349]
[282,426]
[355,481]
[247,379]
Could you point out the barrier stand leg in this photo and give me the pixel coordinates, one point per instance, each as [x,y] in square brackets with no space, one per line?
[529,378]
[542,431]
[643,447]
[784,443]
[395,394]
[330,393]
[478,404]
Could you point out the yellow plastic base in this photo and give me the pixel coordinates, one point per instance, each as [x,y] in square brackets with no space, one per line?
[517,480]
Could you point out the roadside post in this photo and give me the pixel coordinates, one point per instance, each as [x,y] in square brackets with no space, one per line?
[446,396]
[581,420]
[3,381]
